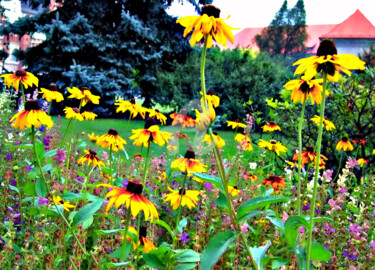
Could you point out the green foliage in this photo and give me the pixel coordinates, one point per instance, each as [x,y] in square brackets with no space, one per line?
[236,76]
[369,56]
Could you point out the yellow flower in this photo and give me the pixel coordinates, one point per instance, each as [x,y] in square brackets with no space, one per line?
[156,113]
[111,140]
[171,147]
[208,25]
[93,138]
[326,123]
[150,133]
[344,144]
[206,117]
[182,118]
[83,94]
[131,106]
[244,141]
[308,156]
[133,198]
[329,62]
[51,94]
[20,76]
[73,113]
[217,139]
[362,161]
[271,127]
[373,152]
[188,163]
[277,147]
[59,201]
[211,98]
[234,191]
[235,124]
[146,243]
[90,156]
[275,181]
[89,115]
[304,88]
[187,197]
[31,116]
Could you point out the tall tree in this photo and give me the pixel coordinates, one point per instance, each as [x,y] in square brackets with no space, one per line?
[287,31]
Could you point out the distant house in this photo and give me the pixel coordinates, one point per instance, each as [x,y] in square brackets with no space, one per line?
[354,35]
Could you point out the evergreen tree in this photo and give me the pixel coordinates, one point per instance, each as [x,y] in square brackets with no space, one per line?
[287,31]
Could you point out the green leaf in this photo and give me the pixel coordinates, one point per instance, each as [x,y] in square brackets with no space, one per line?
[50,153]
[258,202]
[277,222]
[29,189]
[47,167]
[27,146]
[185,266]
[153,260]
[259,253]
[221,201]
[70,196]
[39,146]
[302,259]
[115,265]
[319,253]
[215,248]
[40,188]
[292,225]
[14,188]
[87,211]
[165,225]
[87,223]
[109,232]
[211,179]
[182,224]
[250,215]
[187,256]
[277,263]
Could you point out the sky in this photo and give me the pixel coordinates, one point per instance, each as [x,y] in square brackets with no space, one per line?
[259,13]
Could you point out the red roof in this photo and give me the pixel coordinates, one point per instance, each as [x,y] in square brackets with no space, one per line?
[356,26]
[245,38]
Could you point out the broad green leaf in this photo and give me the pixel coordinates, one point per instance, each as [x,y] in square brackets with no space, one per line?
[29,189]
[108,232]
[277,222]
[211,179]
[165,225]
[259,253]
[301,257]
[70,196]
[39,150]
[153,260]
[187,256]
[87,211]
[47,167]
[292,225]
[319,253]
[182,224]
[116,265]
[250,215]
[221,201]
[258,202]
[185,266]
[215,248]
[50,153]
[40,188]
[14,188]
[277,263]
[320,219]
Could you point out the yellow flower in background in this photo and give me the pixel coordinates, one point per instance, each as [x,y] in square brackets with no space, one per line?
[309,155]
[206,117]
[59,201]
[189,163]
[83,94]
[131,106]
[171,147]
[211,98]
[208,25]
[156,113]
[326,123]
[328,61]
[277,147]
[182,118]
[27,79]
[271,127]
[31,116]
[111,140]
[344,144]
[146,243]
[187,197]
[89,115]
[93,138]
[91,157]
[244,141]
[304,88]
[236,124]
[72,113]
[362,161]
[51,94]
[150,133]
[234,191]
[219,142]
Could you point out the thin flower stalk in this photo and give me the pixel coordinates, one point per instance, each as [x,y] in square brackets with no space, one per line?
[124,241]
[300,125]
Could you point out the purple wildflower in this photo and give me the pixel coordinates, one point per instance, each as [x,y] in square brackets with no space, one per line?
[184,238]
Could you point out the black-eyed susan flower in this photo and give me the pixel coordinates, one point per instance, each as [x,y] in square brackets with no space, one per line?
[304,88]
[158,115]
[182,118]
[206,117]
[326,123]
[143,241]
[83,94]
[362,161]
[131,106]
[244,141]
[89,115]
[93,138]
[359,139]
[111,140]
[271,126]
[236,124]
[27,79]
[188,163]
[275,181]
[211,98]
[184,197]
[219,142]
[207,26]
[171,147]
[150,133]
[73,113]
[234,191]
[133,198]
[309,155]
[344,144]
[180,135]
[251,177]
[91,157]
[51,93]
[31,116]
[329,62]
[65,205]
[273,145]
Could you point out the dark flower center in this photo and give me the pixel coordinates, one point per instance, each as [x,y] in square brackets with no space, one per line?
[237,120]
[134,188]
[132,100]
[211,10]
[20,73]
[84,88]
[190,154]
[310,149]
[272,123]
[113,132]
[32,105]
[235,187]
[345,139]
[215,133]
[304,88]
[61,201]
[76,110]
[92,152]
[210,93]
[53,87]
[150,122]
[273,142]
[182,191]
[326,47]
[156,110]
[142,232]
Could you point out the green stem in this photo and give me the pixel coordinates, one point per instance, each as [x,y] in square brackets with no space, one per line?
[110,164]
[179,213]
[338,170]
[66,131]
[203,63]
[124,241]
[319,146]
[23,95]
[300,125]
[86,180]
[20,204]
[49,112]
[37,157]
